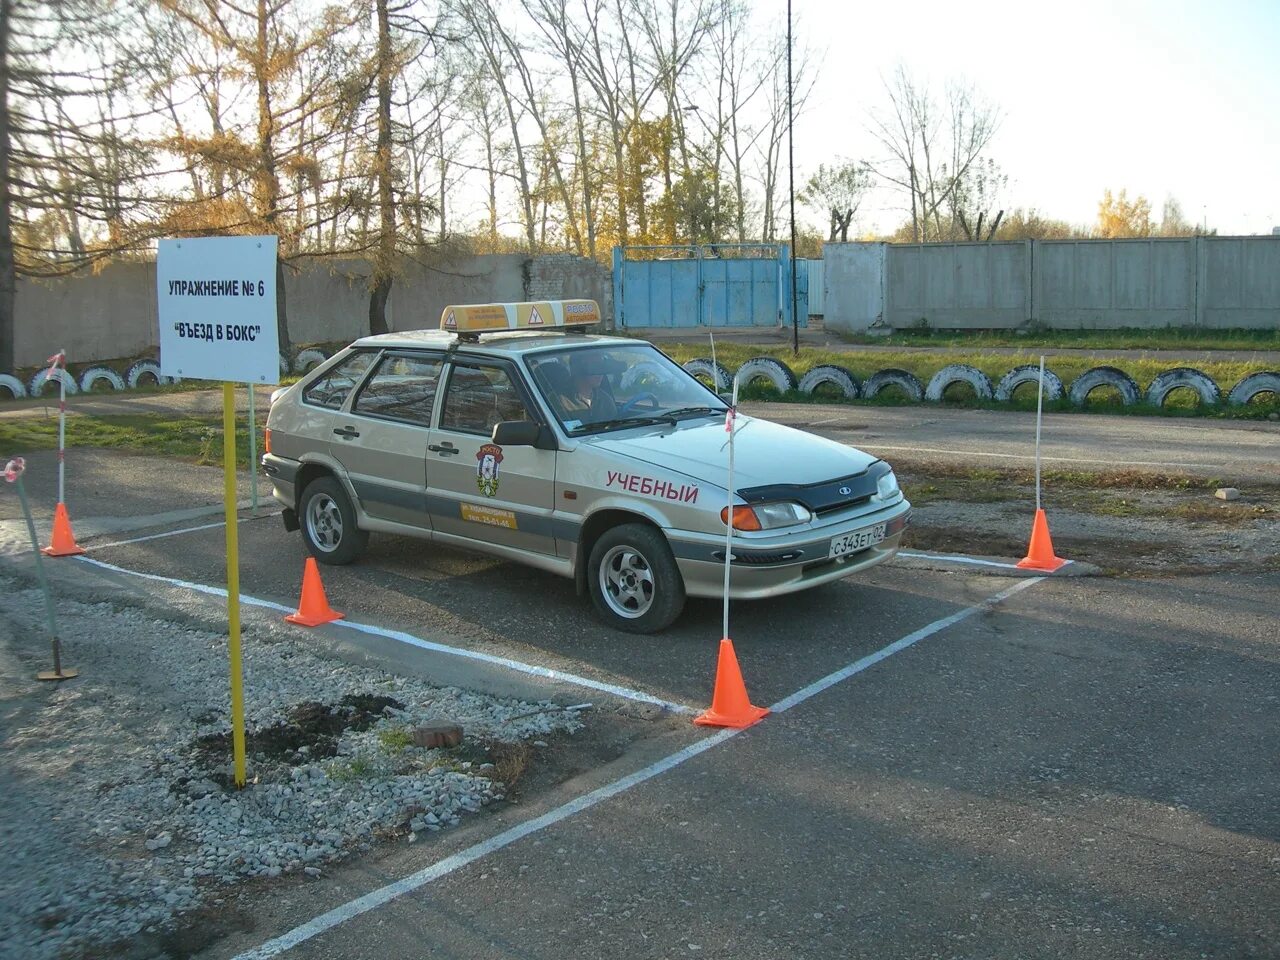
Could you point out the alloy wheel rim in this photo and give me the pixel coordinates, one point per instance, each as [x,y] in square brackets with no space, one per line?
[627,582]
[324,522]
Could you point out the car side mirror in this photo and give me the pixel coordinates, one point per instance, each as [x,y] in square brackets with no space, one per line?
[517,433]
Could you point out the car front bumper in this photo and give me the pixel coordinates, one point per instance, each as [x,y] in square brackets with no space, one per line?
[785,563]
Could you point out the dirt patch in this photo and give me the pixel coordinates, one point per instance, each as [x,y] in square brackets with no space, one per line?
[1124,521]
[311,731]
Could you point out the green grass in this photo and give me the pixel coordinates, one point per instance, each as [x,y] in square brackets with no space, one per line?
[1172,338]
[188,438]
[395,740]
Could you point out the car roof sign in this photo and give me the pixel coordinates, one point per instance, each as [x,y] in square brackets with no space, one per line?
[476,318]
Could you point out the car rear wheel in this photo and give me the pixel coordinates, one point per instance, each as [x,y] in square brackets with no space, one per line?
[328,523]
[634,581]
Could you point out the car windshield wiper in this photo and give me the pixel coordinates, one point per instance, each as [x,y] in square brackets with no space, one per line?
[614,424]
[696,412]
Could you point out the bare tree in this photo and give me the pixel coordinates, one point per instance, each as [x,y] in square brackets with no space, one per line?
[775,129]
[486,39]
[69,150]
[930,152]
[567,43]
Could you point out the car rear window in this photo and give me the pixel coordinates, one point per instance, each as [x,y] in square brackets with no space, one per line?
[331,389]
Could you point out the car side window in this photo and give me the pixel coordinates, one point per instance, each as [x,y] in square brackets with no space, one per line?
[331,389]
[479,397]
[401,388]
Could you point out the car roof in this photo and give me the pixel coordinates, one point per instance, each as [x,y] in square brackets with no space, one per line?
[491,344]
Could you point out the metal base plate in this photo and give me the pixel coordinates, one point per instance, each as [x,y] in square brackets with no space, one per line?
[66,674]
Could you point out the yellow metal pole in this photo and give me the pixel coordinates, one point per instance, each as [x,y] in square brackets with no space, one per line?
[233,578]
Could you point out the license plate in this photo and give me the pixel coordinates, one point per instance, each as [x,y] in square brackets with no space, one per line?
[858,540]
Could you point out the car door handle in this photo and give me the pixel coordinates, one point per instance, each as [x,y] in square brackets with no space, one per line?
[443,448]
[348,433]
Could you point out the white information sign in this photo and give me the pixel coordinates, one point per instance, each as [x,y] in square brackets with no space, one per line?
[217,309]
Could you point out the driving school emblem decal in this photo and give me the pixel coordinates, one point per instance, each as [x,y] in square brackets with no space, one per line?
[489,455]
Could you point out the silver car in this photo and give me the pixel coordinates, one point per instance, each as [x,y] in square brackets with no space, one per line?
[597,458]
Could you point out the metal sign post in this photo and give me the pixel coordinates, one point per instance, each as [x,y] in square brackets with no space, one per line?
[233,579]
[217,309]
[56,362]
[13,471]
[253,454]
[1039,407]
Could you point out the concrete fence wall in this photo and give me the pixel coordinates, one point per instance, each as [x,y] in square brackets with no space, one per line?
[112,315]
[1210,282]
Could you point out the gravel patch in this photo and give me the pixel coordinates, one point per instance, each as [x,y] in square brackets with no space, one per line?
[119,815]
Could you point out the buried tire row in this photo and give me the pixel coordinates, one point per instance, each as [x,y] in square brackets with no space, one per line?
[140,373]
[847,385]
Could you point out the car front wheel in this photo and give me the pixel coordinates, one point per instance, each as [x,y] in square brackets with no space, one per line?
[634,581]
[328,523]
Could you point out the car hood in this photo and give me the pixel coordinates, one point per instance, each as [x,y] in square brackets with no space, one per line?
[763,452]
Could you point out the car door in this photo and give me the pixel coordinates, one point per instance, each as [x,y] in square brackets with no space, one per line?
[479,490]
[382,441]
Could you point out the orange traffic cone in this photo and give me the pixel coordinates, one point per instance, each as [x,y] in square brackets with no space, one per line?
[1040,554]
[730,706]
[313,609]
[64,541]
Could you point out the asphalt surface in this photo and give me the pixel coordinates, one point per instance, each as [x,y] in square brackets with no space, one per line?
[1074,775]
[1231,450]
[1085,770]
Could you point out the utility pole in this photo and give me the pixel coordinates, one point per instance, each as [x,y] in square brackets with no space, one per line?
[791,185]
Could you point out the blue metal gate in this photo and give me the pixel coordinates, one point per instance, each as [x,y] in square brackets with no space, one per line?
[716,285]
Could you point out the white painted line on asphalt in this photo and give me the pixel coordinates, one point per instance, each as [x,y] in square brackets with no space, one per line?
[376,898]
[173,533]
[913,555]
[627,693]
[872,659]
[1181,465]
[154,536]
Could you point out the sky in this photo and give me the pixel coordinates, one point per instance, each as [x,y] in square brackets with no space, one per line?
[1174,98]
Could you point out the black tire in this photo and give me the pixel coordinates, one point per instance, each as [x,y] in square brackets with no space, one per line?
[717,372]
[1255,383]
[843,380]
[328,523]
[892,377]
[1028,373]
[958,373]
[779,375]
[1165,383]
[641,551]
[1090,380]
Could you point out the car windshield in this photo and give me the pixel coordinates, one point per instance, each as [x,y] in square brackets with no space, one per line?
[615,386]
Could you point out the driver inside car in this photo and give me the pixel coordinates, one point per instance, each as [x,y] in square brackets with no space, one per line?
[590,399]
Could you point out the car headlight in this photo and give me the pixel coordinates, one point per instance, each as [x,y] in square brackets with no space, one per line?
[767,516]
[887,487]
